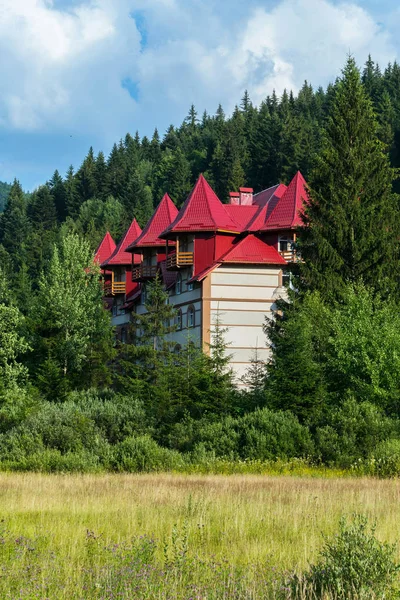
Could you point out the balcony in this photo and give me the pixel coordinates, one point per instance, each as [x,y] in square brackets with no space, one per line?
[144,272]
[179,259]
[290,256]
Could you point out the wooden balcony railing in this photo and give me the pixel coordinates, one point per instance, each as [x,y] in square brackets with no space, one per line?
[288,255]
[144,272]
[179,259]
[118,287]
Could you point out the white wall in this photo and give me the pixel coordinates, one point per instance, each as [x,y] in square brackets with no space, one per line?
[242,296]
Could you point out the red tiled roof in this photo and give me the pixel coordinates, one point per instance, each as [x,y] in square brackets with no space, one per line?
[242,215]
[163,216]
[267,203]
[252,250]
[105,249]
[120,256]
[203,211]
[286,213]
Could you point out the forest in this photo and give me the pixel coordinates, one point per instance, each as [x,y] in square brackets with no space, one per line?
[72,399]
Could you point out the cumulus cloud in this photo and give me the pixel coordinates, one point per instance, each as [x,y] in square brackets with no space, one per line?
[64,68]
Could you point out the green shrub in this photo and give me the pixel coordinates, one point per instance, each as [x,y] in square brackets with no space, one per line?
[143,454]
[352,432]
[352,564]
[265,435]
[117,417]
[260,435]
[50,460]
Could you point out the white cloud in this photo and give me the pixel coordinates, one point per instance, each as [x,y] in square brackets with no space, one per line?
[63,69]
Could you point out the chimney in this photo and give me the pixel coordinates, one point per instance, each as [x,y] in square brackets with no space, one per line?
[245,196]
[234,198]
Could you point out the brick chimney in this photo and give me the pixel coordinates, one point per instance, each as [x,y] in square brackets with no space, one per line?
[234,198]
[245,196]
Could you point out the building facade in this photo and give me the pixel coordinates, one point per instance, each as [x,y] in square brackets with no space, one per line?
[217,261]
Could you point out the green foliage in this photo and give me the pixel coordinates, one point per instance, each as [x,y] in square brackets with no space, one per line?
[351,220]
[352,564]
[137,454]
[261,435]
[70,319]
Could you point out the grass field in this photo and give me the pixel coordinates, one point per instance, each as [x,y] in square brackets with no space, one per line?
[173,536]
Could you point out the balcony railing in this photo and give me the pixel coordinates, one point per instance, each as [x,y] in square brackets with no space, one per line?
[288,255]
[179,259]
[144,272]
[118,287]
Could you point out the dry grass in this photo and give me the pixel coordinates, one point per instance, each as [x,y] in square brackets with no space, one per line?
[243,519]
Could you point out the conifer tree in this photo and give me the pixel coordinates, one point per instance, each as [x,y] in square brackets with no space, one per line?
[351,220]
[57,189]
[73,200]
[14,226]
[101,176]
[86,177]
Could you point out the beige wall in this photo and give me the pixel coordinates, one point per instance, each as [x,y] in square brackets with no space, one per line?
[242,297]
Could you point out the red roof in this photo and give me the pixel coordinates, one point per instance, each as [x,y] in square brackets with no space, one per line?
[163,216]
[105,249]
[252,250]
[242,215]
[286,213]
[266,201]
[120,256]
[203,211]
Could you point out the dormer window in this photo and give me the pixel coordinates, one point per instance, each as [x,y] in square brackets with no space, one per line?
[178,284]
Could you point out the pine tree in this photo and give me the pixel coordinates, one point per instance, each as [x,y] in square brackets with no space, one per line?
[86,177]
[42,210]
[138,199]
[73,200]
[351,221]
[57,189]
[101,176]
[14,226]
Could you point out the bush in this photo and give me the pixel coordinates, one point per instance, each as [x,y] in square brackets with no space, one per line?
[117,417]
[50,460]
[352,432]
[143,454]
[260,435]
[352,564]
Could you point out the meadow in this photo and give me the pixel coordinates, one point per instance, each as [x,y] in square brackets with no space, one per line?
[174,536]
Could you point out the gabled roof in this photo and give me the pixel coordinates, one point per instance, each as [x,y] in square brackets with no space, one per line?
[267,201]
[163,216]
[120,256]
[203,211]
[286,213]
[252,250]
[249,249]
[105,249]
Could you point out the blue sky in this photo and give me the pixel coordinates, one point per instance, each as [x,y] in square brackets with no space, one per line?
[75,73]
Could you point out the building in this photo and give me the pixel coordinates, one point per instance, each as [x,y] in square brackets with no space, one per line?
[216,260]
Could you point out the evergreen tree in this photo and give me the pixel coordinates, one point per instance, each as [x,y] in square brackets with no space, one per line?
[101,176]
[86,177]
[14,226]
[42,210]
[351,221]
[57,189]
[73,200]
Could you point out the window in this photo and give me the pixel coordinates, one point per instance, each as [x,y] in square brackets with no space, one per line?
[178,284]
[123,335]
[286,278]
[144,294]
[178,320]
[114,310]
[190,317]
[285,244]
[177,349]
[190,287]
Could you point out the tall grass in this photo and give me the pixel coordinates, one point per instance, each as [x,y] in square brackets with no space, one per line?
[82,536]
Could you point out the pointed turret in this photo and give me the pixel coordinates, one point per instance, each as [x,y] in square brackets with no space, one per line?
[105,249]
[163,216]
[286,214]
[202,211]
[120,256]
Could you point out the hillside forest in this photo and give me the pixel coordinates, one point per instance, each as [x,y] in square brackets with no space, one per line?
[73,399]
